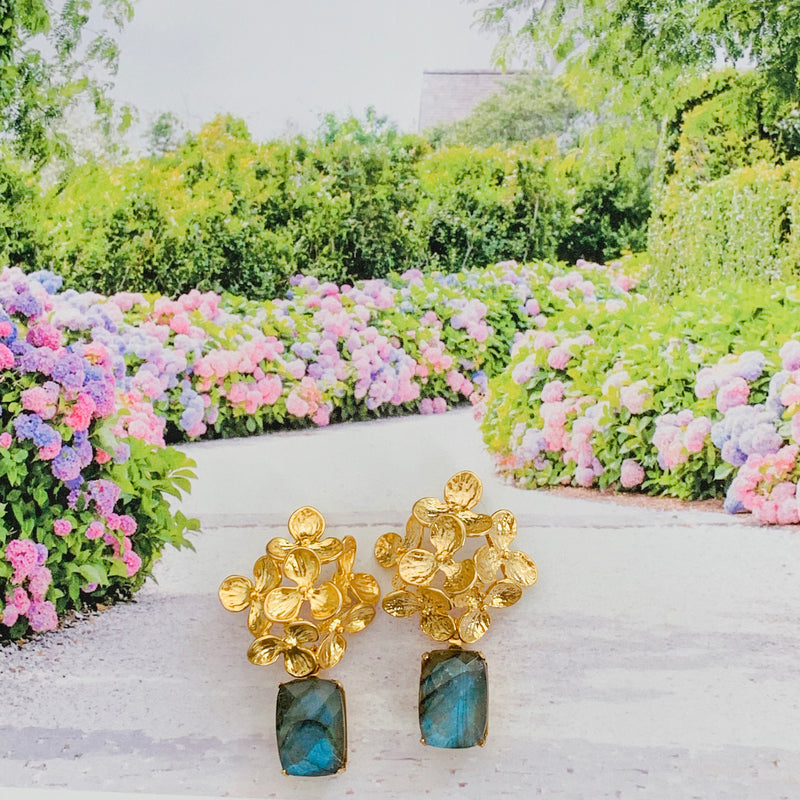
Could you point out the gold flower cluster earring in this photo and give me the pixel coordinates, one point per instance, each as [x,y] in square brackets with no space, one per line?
[453,599]
[310,719]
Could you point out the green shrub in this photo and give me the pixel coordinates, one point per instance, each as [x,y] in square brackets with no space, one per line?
[19,214]
[744,225]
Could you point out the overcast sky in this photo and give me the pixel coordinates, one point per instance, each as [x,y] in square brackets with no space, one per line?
[280,65]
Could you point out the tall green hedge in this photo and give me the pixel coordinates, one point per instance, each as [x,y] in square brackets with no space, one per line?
[225,213]
[743,225]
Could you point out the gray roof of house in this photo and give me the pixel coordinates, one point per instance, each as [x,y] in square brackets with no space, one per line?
[450,95]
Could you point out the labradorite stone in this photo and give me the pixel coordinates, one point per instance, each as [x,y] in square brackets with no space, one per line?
[453,701]
[311,728]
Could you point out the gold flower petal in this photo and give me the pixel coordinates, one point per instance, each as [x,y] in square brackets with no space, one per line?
[397,582]
[434,598]
[463,490]
[265,650]
[302,566]
[427,509]
[475,524]
[365,587]
[257,620]
[414,534]
[234,592]
[504,529]
[447,534]
[460,576]
[302,632]
[325,600]
[300,662]
[279,548]
[306,525]
[487,562]
[417,567]
[520,568]
[387,549]
[348,555]
[473,624]
[503,594]
[283,604]
[437,625]
[266,573]
[472,598]
[327,550]
[401,603]
[357,618]
[330,652]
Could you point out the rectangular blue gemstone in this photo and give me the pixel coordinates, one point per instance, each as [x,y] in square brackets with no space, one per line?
[311,727]
[453,698]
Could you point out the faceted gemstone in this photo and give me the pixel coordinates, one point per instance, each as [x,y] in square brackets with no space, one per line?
[453,700]
[311,727]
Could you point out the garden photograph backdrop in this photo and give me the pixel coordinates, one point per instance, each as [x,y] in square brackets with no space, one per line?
[211,315]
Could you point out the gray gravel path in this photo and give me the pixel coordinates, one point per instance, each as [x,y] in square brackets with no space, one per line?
[658,656]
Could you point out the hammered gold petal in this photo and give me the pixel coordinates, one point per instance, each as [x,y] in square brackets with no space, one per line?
[348,555]
[487,562]
[327,550]
[266,573]
[387,549]
[331,650]
[358,617]
[414,533]
[463,490]
[472,598]
[504,529]
[257,620]
[401,603]
[302,632]
[447,534]
[300,662]
[427,509]
[437,625]
[279,548]
[397,582]
[417,567]
[365,587]
[434,598]
[325,600]
[234,592]
[283,604]
[475,524]
[265,650]
[503,594]
[473,624]
[460,577]
[302,566]
[306,525]
[519,567]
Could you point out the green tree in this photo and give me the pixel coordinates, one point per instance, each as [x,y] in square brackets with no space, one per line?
[52,57]
[530,106]
[651,42]
[165,134]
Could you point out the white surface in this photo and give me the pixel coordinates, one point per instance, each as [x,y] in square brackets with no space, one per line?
[658,655]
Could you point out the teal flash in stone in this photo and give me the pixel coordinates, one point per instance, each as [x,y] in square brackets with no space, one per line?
[453,700]
[311,727]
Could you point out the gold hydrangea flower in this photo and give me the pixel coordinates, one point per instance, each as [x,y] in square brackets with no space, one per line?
[420,566]
[514,564]
[391,547]
[361,585]
[237,593]
[461,493]
[475,621]
[332,647]
[302,566]
[298,660]
[432,606]
[306,526]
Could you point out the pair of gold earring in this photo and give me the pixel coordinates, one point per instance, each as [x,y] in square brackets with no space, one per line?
[453,599]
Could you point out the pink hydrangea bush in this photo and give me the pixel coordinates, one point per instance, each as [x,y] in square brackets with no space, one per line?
[65,465]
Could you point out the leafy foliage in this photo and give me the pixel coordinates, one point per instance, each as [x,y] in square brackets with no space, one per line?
[531,106]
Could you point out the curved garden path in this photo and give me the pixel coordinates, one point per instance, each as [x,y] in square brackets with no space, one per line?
[658,656]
